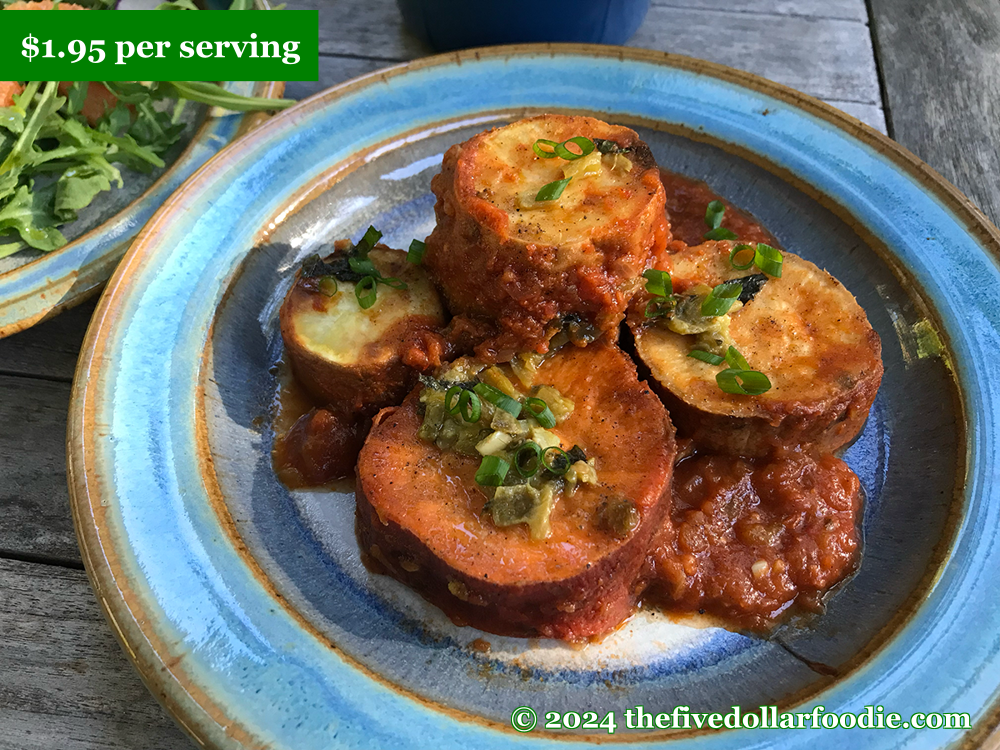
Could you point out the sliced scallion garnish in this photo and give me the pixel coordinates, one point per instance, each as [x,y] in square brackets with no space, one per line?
[393,282]
[528,459]
[585,145]
[721,233]
[658,282]
[540,411]
[712,359]
[768,260]
[368,242]
[327,285]
[542,153]
[552,191]
[365,292]
[713,214]
[742,250]
[499,399]
[470,407]
[743,382]
[415,254]
[720,299]
[736,360]
[492,471]
[556,460]
[452,399]
[362,264]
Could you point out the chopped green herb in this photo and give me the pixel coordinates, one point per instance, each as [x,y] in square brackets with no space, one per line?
[552,191]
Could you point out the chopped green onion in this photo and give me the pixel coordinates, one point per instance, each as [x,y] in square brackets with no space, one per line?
[470,406]
[736,252]
[713,214]
[658,283]
[768,260]
[712,359]
[556,460]
[327,285]
[371,238]
[552,191]
[365,292]
[541,412]
[393,282]
[721,233]
[492,471]
[363,265]
[743,382]
[659,307]
[528,459]
[499,399]
[736,360]
[542,153]
[455,390]
[720,299]
[585,144]
[415,254]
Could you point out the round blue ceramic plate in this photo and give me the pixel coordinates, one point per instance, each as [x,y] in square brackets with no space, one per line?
[246,607]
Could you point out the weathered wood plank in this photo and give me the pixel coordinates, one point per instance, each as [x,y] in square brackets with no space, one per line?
[65,682]
[49,349]
[827,57]
[335,69]
[848,10]
[941,64]
[36,518]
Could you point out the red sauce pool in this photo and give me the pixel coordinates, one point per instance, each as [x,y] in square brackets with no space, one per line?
[748,538]
[687,200]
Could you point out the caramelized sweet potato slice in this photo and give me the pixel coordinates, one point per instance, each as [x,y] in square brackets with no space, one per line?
[420,512]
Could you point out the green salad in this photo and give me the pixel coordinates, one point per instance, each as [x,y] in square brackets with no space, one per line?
[64,143]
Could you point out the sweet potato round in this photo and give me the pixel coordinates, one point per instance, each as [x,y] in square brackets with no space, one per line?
[805,331]
[357,361]
[498,255]
[420,511]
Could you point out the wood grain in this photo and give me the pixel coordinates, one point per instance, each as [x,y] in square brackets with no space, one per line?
[823,49]
[48,350]
[65,683]
[35,520]
[941,64]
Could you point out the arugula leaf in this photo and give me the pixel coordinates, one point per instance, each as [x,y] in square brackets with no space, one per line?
[22,153]
[29,214]
[12,118]
[78,186]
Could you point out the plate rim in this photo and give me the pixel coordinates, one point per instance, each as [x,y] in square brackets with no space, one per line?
[100,569]
[113,247]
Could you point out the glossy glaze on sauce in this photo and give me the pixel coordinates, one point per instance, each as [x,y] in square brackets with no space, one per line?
[687,199]
[748,538]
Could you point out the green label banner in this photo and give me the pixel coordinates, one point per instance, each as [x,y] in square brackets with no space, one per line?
[156,45]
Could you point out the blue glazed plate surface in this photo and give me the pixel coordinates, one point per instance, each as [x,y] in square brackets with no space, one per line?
[246,607]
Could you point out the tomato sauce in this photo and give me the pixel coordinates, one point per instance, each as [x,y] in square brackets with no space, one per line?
[749,538]
[687,200]
[312,446]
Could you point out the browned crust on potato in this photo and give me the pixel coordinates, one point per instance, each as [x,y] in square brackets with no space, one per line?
[826,425]
[419,511]
[523,287]
[825,404]
[385,370]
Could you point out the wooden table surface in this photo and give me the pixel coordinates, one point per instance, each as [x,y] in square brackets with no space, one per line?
[927,73]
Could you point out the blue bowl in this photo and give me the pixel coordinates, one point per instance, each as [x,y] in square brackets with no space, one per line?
[455,24]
